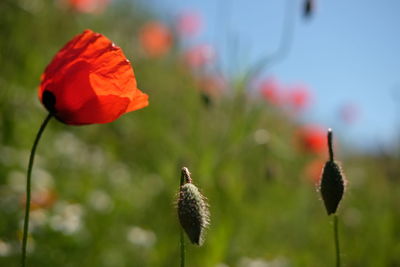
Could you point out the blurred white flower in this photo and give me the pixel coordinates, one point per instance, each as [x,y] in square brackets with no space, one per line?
[38,218]
[79,153]
[100,201]
[68,144]
[41,180]
[141,237]
[97,159]
[10,157]
[5,249]
[32,6]
[248,262]
[16,181]
[119,175]
[67,218]
[261,136]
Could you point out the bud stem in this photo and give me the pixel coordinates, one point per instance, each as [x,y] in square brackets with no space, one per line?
[336,237]
[28,188]
[182,249]
[330,146]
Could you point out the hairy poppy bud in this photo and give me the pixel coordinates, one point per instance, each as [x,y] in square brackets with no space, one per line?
[332,182]
[332,186]
[192,209]
[308,8]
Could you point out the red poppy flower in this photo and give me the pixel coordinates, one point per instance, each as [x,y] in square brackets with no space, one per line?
[270,89]
[42,199]
[299,97]
[155,38]
[313,170]
[90,81]
[189,24]
[199,56]
[312,139]
[88,6]
[212,83]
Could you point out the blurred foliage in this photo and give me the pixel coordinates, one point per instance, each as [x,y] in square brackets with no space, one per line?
[112,187]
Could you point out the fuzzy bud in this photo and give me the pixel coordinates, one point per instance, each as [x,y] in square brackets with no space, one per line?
[308,8]
[332,183]
[192,209]
[332,186]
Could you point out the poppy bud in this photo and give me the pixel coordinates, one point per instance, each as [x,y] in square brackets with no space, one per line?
[332,186]
[308,8]
[332,183]
[192,209]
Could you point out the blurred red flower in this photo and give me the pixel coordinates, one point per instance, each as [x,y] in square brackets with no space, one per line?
[199,56]
[311,139]
[299,97]
[212,85]
[313,170]
[88,6]
[42,199]
[189,24]
[271,91]
[155,38]
[90,81]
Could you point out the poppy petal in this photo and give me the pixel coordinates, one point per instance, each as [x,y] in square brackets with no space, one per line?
[85,76]
[140,101]
[103,109]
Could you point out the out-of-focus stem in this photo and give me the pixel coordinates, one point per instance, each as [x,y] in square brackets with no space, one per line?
[330,145]
[336,238]
[28,189]
[182,249]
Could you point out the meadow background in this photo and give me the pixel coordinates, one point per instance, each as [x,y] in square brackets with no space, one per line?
[103,195]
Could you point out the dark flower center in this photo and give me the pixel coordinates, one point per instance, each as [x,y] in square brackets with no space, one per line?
[49,101]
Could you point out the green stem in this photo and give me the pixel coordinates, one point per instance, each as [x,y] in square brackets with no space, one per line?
[28,189]
[330,145]
[336,237]
[182,249]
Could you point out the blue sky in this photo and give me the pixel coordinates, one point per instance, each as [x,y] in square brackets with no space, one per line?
[348,53]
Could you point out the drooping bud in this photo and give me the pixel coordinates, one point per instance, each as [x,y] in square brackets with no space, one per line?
[308,8]
[192,209]
[332,183]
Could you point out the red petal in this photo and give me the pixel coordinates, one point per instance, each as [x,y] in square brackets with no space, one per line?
[84,71]
[103,109]
[139,101]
